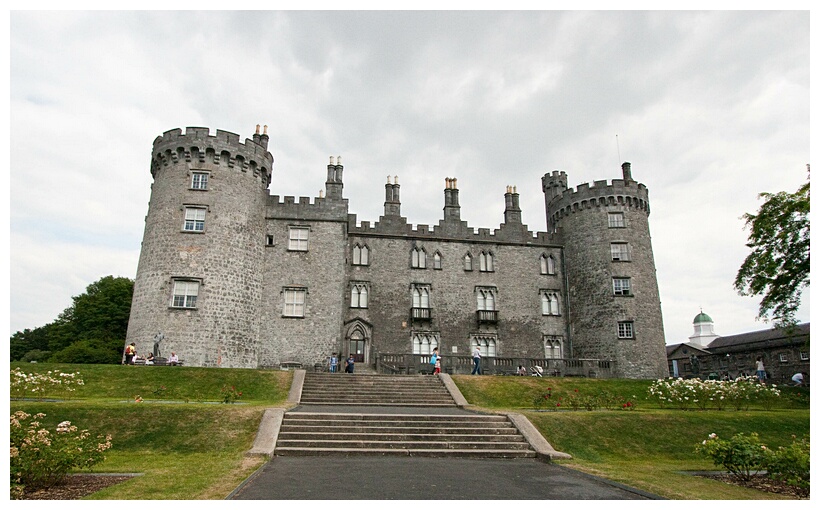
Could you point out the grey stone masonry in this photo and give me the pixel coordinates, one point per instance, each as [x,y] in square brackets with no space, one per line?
[234,275]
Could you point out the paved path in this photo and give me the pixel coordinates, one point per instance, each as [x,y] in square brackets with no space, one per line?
[415,478]
[424,478]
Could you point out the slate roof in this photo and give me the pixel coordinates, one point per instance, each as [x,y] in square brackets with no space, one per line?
[770,337]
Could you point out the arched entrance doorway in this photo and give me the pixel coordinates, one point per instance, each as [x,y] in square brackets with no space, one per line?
[358,340]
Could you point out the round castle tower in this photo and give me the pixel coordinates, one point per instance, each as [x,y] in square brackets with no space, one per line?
[199,279]
[613,300]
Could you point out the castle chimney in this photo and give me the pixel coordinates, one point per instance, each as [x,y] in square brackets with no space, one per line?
[392,202]
[512,213]
[264,138]
[627,170]
[452,211]
[334,185]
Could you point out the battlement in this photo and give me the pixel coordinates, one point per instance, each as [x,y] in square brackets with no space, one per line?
[390,227]
[320,209]
[197,144]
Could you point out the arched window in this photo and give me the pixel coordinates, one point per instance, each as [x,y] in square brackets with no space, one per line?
[550,303]
[485,261]
[421,296]
[358,295]
[485,299]
[547,264]
[418,258]
[486,343]
[361,255]
[424,343]
[437,260]
[468,262]
[552,347]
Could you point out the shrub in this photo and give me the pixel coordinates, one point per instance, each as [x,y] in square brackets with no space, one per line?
[790,464]
[230,394]
[39,386]
[40,459]
[741,455]
[738,394]
[35,355]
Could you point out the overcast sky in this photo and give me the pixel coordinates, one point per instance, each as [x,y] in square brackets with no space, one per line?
[711,108]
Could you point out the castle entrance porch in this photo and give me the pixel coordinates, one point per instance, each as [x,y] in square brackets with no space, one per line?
[358,339]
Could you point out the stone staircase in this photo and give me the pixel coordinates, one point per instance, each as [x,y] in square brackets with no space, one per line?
[465,435]
[342,414]
[375,390]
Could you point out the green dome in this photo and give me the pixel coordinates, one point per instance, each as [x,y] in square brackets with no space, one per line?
[702,317]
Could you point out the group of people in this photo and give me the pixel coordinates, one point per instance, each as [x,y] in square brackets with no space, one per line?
[797,379]
[131,357]
[350,362]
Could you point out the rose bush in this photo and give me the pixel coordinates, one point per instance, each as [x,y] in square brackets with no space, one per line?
[41,458]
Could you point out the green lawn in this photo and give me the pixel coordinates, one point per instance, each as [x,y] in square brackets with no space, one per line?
[187,445]
[649,447]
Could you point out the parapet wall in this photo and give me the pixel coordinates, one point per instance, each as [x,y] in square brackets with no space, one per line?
[322,209]
[600,193]
[197,145]
[393,228]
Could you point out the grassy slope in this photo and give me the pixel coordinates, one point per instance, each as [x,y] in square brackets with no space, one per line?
[196,450]
[183,451]
[649,447]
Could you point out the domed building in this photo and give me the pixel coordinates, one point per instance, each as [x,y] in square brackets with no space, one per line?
[708,355]
[704,330]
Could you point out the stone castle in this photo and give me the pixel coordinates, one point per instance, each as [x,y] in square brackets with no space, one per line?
[233,276]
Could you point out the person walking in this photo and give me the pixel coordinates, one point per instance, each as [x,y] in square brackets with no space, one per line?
[438,366]
[761,370]
[433,359]
[349,364]
[334,363]
[476,361]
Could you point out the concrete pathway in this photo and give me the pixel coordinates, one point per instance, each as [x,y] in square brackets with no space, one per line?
[417,478]
[424,478]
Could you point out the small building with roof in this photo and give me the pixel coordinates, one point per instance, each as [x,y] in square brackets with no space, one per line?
[785,351]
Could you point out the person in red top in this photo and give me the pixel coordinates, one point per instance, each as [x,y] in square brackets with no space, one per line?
[130,352]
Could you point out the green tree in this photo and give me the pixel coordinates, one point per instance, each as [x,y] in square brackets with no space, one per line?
[778,266]
[98,318]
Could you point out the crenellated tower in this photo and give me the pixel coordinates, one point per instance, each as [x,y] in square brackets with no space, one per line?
[199,280]
[613,299]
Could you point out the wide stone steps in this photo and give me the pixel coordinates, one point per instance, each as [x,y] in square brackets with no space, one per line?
[465,435]
[374,390]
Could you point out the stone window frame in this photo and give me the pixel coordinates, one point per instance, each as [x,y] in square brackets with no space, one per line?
[468,262]
[553,343]
[619,251]
[486,261]
[804,356]
[420,294]
[359,294]
[360,255]
[418,258]
[297,242]
[488,343]
[622,286]
[193,218]
[626,330]
[269,241]
[482,292]
[616,219]
[550,302]
[547,263]
[424,341]
[783,357]
[294,301]
[199,180]
[437,260]
[184,292]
